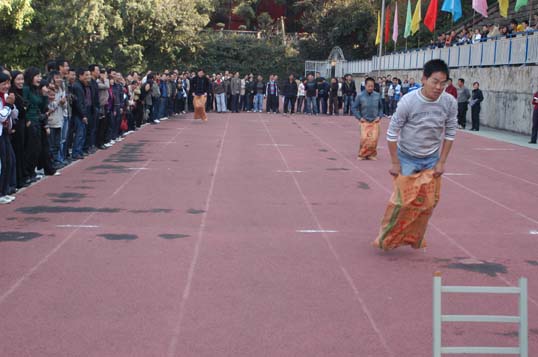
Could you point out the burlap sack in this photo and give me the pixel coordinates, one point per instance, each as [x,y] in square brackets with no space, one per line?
[369,138]
[199,107]
[410,208]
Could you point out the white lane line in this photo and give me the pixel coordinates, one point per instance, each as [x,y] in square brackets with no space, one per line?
[46,258]
[533,232]
[315,231]
[194,262]
[138,168]
[494,149]
[290,171]
[380,185]
[501,172]
[335,254]
[455,174]
[76,226]
[275,144]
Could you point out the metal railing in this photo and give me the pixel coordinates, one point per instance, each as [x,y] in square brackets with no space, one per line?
[499,51]
[521,319]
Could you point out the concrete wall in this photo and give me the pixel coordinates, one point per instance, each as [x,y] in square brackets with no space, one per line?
[507,93]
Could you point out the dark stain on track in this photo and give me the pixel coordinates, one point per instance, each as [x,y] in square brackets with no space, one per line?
[83,187]
[128,153]
[363,186]
[482,267]
[111,236]
[173,236]
[332,158]
[35,219]
[323,150]
[195,211]
[65,209]
[533,262]
[153,210]
[67,197]
[508,334]
[18,236]
[337,169]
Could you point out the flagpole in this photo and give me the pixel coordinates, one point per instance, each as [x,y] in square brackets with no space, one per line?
[382,37]
[530,12]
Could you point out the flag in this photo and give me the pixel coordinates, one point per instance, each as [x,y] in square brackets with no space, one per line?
[481,6]
[521,3]
[387,25]
[378,36]
[431,15]
[395,25]
[503,7]
[454,7]
[417,17]
[407,30]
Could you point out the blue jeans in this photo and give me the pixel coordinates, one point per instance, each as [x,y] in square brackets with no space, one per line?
[348,102]
[62,153]
[221,102]
[156,109]
[311,105]
[163,107]
[258,102]
[411,165]
[80,137]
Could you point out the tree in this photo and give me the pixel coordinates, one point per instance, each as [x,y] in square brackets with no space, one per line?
[16,14]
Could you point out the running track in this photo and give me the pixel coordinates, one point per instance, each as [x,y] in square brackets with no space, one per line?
[192,239]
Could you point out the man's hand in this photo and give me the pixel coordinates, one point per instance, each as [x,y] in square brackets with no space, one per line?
[47,130]
[85,120]
[28,123]
[439,169]
[395,170]
[10,99]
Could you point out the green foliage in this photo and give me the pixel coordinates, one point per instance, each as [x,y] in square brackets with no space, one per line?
[16,14]
[246,55]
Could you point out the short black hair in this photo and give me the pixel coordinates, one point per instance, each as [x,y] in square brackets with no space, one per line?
[476,83]
[81,71]
[369,79]
[434,66]
[61,62]
[92,67]
[462,80]
[51,66]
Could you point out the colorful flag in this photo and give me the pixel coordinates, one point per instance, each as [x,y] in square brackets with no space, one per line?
[431,15]
[520,4]
[454,7]
[387,25]
[417,17]
[395,26]
[503,7]
[407,30]
[481,6]
[378,36]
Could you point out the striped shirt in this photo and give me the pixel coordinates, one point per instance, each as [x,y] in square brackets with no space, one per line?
[420,125]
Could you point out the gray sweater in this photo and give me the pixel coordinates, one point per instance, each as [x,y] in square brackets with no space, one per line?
[463,95]
[419,124]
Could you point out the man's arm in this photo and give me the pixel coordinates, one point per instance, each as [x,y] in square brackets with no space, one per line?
[450,134]
[356,108]
[397,122]
[379,109]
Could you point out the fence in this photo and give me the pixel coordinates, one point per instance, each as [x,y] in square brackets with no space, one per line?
[499,51]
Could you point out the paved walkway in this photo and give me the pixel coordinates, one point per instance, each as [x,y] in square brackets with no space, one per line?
[249,235]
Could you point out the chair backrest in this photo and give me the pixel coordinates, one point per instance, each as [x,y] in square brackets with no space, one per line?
[438,318]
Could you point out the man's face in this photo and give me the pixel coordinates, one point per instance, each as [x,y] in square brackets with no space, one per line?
[72,76]
[96,72]
[219,77]
[434,86]
[369,86]
[103,76]
[64,69]
[85,78]
[411,81]
[449,83]
[200,74]
[460,84]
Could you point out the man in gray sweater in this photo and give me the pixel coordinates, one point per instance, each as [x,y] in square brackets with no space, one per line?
[464,95]
[422,129]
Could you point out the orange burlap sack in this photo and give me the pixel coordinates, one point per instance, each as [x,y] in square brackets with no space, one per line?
[199,107]
[410,208]
[369,138]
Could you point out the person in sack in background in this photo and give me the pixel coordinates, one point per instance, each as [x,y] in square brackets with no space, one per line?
[423,128]
[368,109]
[534,134]
[200,88]
[476,100]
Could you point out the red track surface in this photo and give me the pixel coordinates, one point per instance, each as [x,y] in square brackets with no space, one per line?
[183,240]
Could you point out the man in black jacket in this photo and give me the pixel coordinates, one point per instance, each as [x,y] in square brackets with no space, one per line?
[476,99]
[200,89]
[290,94]
[350,91]
[82,103]
[93,117]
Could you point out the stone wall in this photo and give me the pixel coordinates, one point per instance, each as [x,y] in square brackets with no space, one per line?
[507,93]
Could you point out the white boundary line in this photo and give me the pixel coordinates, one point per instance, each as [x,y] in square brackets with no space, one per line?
[335,254]
[194,261]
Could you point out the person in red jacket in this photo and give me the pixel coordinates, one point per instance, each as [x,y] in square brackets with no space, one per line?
[534,119]
[450,89]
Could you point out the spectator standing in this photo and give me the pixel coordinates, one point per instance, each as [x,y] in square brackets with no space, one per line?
[289,90]
[476,100]
[450,89]
[333,97]
[349,92]
[236,92]
[311,89]
[301,96]
[534,134]
[463,97]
